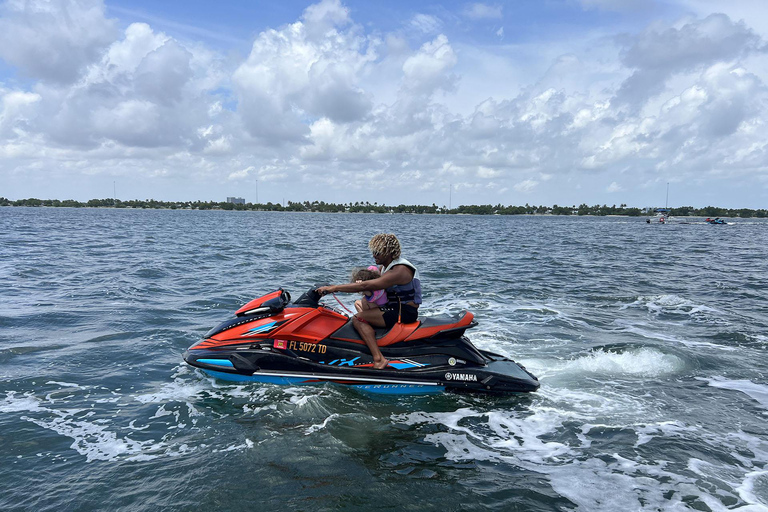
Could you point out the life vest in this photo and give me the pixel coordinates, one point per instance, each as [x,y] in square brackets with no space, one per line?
[409,292]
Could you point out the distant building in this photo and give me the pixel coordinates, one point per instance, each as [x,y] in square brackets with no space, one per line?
[236,200]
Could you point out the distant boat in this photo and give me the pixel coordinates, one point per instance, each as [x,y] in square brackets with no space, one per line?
[663,214]
[716,220]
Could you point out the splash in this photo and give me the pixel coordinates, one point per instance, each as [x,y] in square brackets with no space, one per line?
[643,362]
[314,428]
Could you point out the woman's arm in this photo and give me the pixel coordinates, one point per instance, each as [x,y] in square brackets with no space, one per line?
[399,274]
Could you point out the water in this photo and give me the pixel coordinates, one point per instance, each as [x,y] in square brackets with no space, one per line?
[650,343]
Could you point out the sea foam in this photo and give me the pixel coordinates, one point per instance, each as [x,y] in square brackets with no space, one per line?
[757,392]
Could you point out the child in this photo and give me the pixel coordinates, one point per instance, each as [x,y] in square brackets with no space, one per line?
[373,299]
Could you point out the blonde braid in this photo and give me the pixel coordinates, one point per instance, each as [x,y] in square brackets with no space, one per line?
[385,244]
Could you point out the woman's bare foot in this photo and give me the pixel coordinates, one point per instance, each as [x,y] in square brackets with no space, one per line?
[381,363]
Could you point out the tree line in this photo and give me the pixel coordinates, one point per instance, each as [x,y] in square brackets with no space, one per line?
[366,207]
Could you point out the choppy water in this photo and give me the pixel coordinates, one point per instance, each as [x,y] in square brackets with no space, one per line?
[650,343]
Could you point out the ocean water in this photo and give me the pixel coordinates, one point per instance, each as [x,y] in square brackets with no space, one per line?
[650,343]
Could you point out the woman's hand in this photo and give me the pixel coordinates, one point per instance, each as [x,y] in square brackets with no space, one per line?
[325,290]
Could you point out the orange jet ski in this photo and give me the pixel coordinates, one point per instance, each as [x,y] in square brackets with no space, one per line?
[276,341]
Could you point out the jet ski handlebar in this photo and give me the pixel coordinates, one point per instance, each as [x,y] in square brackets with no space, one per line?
[310,298]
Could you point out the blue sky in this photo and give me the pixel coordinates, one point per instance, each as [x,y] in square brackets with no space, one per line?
[540,102]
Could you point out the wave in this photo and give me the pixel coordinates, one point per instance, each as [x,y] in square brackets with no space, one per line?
[757,392]
[673,305]
[644,332]
[534,439]
[165,423]
[92,440]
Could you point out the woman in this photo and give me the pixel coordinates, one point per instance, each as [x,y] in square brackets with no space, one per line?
[400,279]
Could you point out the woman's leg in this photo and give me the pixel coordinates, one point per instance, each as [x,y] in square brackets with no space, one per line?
[364,323]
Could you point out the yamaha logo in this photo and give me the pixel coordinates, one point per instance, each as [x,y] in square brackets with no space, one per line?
[469,377]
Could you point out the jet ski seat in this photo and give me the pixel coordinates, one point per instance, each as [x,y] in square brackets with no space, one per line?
[444,326]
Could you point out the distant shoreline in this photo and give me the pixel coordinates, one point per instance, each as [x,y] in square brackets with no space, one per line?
[358,207]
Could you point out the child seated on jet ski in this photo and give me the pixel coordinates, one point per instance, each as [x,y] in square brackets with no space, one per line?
[373,299]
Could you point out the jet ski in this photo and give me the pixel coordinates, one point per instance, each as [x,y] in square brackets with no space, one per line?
[273,340]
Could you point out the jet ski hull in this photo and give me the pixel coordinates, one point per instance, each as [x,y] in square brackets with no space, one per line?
[406,373]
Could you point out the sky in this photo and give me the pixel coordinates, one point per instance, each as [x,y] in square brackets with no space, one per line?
[544,102]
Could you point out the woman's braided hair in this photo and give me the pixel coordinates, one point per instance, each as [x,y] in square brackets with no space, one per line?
[385,244]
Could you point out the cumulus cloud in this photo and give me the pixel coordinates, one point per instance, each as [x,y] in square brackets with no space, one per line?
[659,53]
[53,40]
[139,94]
[289,76]
[430,68]
[323,18]
[138,89]
[16,109]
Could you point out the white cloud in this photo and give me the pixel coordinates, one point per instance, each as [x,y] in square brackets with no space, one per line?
[290,76]
[220,146]
[53,40]
[660,52]
[16,108]
[126,55]
[480,11]
[429,69]
[525,186]
[618,5]
[485,172]
[613,188]
[323,18]
[426,24]
[242,174]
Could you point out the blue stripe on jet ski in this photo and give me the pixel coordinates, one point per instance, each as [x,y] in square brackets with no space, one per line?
[402,366]
[264,379]
[260,329]
[385,389]
[217,362]
[400,389]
